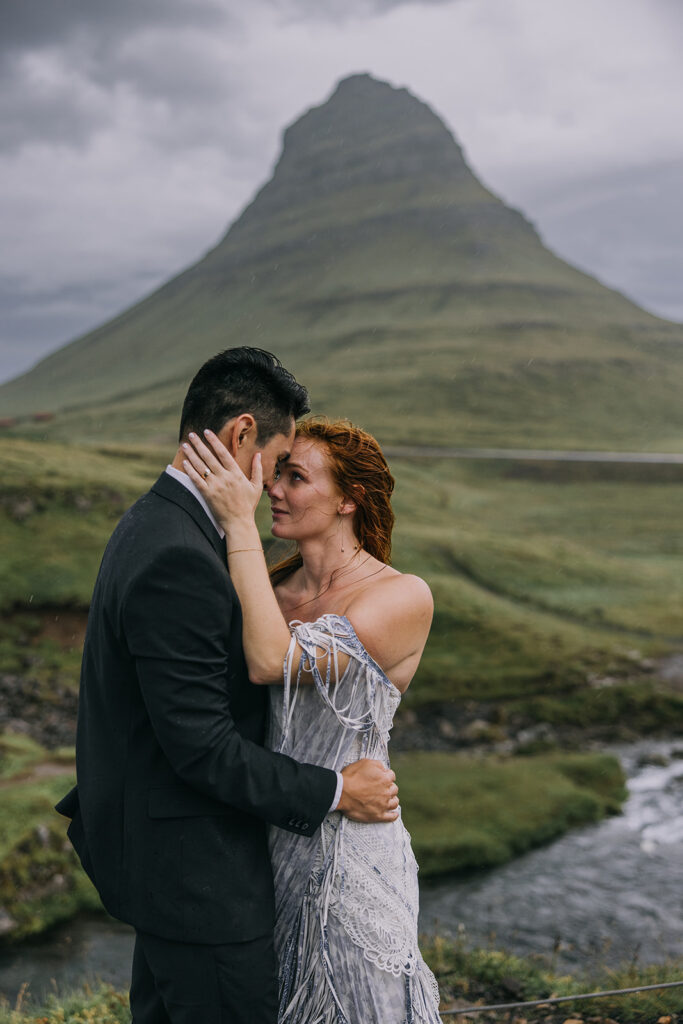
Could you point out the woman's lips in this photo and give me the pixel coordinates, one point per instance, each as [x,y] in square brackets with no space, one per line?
[278,512]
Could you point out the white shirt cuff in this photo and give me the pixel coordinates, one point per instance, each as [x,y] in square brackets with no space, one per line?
[338,792]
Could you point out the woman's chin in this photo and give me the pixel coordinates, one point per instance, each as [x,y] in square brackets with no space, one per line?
[285,531]
[279,530]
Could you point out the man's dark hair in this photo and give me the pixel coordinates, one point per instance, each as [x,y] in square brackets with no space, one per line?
[243,380]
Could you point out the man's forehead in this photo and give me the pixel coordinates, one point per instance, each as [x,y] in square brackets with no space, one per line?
[281,444]
[286,441]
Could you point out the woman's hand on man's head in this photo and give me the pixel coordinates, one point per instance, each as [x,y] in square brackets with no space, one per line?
[231,495]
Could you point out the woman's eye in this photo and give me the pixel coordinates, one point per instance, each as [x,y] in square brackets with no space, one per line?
[276,474]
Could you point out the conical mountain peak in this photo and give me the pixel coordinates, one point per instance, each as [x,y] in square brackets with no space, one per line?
[367,133]
[403,293]
[370,151]
[369,129]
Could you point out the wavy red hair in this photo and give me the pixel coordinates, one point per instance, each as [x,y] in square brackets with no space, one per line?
[361,473]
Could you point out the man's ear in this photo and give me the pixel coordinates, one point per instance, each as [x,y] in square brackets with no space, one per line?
[236,431]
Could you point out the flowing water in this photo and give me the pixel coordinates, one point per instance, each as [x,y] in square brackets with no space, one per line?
[613,890]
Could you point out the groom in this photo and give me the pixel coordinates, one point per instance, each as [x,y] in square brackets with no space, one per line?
[174,786]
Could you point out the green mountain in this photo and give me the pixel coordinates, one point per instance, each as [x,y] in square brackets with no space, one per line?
[400,290]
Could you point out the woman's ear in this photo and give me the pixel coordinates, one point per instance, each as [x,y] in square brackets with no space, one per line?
[346,507]
[349,505]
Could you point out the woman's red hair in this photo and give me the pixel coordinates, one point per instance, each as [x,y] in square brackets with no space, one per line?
[361,473]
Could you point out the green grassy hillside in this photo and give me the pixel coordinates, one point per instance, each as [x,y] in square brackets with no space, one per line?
[542,575]
[400,290]
[544,578]
[551,587]
[41,880]
[410,299]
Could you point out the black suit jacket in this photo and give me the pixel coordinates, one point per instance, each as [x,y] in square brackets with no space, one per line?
[174,788]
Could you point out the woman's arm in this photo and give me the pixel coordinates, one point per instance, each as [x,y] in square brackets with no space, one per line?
[233,498]
[391,619]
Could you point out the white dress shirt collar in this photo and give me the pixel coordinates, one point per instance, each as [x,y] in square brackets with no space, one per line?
[184,479]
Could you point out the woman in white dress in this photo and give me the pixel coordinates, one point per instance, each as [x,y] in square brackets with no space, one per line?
[349,630]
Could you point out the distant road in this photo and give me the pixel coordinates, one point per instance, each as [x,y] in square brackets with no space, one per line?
[531,454]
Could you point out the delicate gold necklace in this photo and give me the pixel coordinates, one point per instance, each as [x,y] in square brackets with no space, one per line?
[345,572]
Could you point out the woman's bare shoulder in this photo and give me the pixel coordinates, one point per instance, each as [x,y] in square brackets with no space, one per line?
[395,594]
[404,586]
[392,619]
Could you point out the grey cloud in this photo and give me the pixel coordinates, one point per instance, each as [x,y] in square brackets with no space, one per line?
[31,24]
[334,9]
[210,82]
[58,112]
[623,227]
[28,338]
[671,10]
[386,5]
[37,322]
[155,72]
[57,57]
[339,11]
[167,59]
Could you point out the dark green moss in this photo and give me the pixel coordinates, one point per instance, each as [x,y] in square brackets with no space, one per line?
[504,806]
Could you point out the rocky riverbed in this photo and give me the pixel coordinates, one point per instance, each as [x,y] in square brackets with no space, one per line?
[511,727]
[46,714]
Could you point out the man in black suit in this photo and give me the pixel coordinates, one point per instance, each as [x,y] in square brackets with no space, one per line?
[174,786]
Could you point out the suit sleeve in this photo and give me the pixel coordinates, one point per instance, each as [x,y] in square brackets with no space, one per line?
[176,617]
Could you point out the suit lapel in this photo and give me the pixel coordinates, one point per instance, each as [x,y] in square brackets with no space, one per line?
[168,488]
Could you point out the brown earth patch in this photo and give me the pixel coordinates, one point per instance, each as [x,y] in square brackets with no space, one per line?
[63,626]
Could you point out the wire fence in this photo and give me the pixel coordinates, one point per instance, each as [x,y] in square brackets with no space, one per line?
[561,999]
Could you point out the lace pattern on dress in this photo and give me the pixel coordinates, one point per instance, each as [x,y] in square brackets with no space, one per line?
[364,876]
[374,894]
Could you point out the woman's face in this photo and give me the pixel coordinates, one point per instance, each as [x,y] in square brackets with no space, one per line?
[304,498]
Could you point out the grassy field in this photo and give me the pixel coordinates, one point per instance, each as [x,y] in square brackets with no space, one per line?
[541,380]
[41,880]
[543,577]
[465,976]
[41,883]
[58,506]
[555,589]
[464,813]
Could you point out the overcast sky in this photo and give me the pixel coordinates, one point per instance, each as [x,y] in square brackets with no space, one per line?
[133,131]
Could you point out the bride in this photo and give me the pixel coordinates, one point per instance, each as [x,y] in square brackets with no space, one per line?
[342,633]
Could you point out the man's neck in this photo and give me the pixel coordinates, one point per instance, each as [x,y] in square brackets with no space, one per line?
[178,460]
[184,479]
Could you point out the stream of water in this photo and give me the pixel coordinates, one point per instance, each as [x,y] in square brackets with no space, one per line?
[612,891]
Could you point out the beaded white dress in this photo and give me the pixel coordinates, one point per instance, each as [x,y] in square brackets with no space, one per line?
[347,899]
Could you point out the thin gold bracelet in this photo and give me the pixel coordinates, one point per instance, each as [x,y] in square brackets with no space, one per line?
[237,551]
